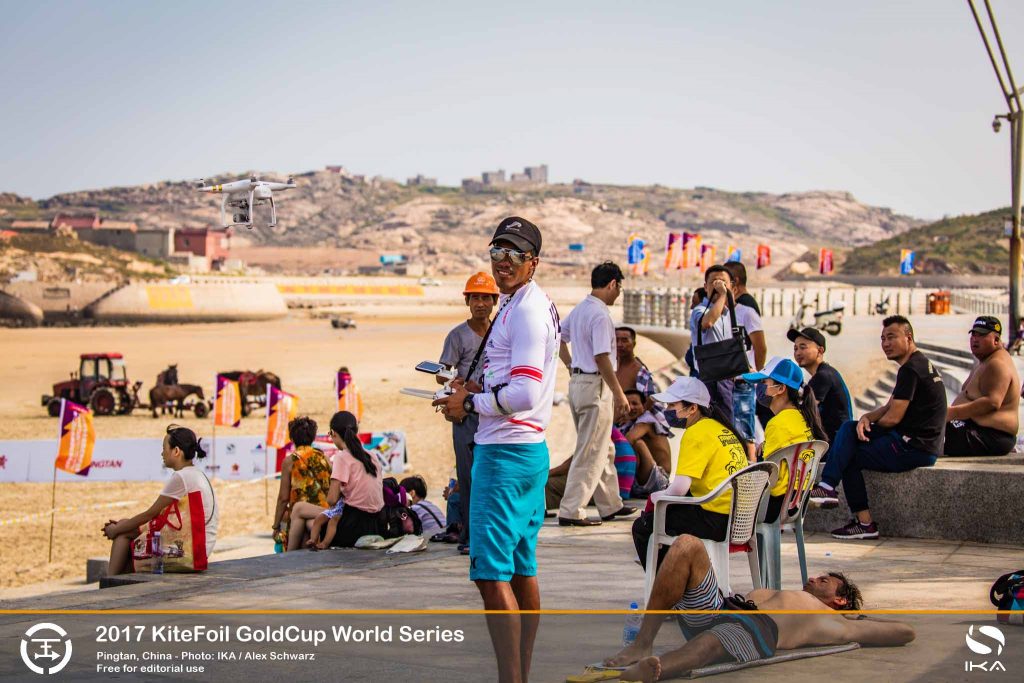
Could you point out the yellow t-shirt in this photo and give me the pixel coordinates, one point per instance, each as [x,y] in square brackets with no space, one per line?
[708,454]
[785,429]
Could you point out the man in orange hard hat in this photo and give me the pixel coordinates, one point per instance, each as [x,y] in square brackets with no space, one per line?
[461,350]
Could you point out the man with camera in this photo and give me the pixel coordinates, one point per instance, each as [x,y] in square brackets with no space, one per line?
[511,460]
[462,351]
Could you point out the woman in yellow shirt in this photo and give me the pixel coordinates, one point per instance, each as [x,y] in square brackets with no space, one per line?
[796,418]
[711,450]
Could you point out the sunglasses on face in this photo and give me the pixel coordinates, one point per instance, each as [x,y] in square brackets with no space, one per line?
[518,258]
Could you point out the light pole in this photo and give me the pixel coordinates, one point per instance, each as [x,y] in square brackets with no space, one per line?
[1016,121]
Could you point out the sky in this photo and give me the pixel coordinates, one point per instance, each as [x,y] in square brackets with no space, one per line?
[892,101]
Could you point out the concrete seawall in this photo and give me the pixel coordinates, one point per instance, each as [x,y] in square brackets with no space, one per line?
[220,302]
[15,308]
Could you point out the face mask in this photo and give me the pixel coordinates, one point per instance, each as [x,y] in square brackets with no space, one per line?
[674,420]
[761,394]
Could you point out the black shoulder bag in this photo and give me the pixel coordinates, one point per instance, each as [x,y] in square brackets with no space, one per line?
[722,359]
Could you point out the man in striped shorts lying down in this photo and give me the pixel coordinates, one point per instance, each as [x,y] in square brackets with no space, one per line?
[686,581]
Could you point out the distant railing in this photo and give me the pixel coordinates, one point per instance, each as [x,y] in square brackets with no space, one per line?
[670,307]
[981,304]
[658,307]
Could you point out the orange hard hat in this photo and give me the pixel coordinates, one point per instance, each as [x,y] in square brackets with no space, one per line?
[481,283]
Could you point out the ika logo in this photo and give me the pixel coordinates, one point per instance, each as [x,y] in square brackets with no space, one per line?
[985,640]
[46,646]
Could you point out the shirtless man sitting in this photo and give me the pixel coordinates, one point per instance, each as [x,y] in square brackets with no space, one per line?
[983,419]
[649,424]
[686,581]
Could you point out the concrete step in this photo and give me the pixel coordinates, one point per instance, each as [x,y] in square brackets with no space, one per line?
[877,395]
[963,354]
[959,499]
[864,405]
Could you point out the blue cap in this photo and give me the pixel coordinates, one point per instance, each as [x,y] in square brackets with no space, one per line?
[781,370]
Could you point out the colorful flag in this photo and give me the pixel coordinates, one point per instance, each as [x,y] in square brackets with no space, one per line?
[907,261]
[634,249]
[825,265]
[733,253]
[764,256]
[686,258]
[673,250]
[77,437]
[349,398]
[281,409]
[698,251]
[227,406]
[707,256]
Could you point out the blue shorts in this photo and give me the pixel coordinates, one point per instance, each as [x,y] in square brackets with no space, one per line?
[506,509]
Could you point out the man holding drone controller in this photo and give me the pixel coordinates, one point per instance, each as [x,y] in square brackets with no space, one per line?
[510,460]
[462,351]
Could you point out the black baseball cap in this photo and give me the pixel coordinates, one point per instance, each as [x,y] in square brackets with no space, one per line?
[520,232]
[807,333]
[987,323]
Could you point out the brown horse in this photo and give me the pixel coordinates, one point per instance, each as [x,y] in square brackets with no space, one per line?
[252,385]
[163,394]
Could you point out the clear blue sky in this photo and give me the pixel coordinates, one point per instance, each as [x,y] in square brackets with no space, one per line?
[889,100]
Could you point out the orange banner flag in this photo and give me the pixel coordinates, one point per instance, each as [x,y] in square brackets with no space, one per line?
[77,438]
[227,406]
[349,397]
[281,409]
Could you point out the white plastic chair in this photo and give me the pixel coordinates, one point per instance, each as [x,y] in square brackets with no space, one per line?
[802,461]
[750,487]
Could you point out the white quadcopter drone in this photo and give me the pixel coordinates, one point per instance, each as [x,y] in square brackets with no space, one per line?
[244,195]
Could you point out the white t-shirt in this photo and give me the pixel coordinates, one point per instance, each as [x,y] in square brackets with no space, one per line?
[521,355]
[590,331]
[190,479]
[748,318]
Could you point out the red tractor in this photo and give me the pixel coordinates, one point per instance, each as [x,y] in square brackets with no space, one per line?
[101,384]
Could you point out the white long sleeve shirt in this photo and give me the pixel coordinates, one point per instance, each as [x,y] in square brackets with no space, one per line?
[522,353]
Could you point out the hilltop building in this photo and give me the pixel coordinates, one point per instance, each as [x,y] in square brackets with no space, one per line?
[419,180]
[530,177]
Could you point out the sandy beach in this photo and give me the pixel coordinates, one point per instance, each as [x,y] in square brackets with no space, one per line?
[305,352]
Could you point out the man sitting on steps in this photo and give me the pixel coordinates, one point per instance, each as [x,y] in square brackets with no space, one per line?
[686,581]
[902,435]
[984,417]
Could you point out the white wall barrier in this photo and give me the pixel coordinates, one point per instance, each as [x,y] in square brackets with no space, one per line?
[237,458]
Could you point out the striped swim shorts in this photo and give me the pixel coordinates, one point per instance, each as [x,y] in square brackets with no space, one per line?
[745,636]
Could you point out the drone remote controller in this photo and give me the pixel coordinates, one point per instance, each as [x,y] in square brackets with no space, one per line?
[438,370]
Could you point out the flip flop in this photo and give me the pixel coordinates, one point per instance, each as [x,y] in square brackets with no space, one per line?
[594,675]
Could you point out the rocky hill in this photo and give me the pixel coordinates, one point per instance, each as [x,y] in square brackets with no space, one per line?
[435,224]
[962,245]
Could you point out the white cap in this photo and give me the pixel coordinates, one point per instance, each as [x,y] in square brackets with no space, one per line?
[688,389]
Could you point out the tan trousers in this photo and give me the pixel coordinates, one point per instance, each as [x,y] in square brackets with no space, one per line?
[592,471]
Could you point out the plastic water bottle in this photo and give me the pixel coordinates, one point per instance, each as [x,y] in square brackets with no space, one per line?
[632,628]
[158,554]
[279,536]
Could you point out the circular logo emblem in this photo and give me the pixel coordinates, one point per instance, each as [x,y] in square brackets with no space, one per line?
[43,645]
[993,640]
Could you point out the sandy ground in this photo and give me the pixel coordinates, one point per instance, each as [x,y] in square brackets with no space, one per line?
[305,352]
[381,353]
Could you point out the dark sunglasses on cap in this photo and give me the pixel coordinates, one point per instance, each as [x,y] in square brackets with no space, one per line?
[518,258]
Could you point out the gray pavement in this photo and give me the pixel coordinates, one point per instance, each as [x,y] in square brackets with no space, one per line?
[580,569]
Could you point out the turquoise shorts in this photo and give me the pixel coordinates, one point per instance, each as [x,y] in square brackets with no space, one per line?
[506,509]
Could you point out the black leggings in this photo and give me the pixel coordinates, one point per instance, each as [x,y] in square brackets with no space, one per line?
[353,524]
[679,519]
